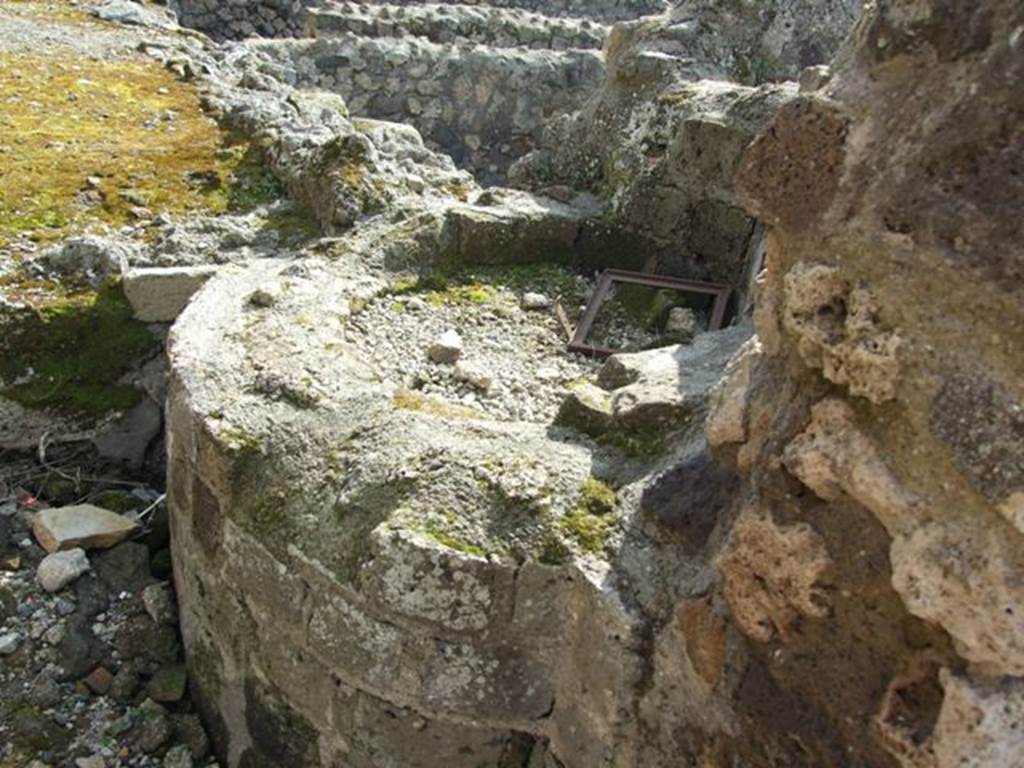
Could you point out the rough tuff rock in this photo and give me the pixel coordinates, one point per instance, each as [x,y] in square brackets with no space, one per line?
[878,408]
[772,575]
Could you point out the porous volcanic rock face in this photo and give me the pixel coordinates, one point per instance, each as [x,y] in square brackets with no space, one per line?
[878,417]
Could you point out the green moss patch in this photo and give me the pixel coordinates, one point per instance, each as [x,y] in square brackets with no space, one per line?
[637,445]
[589,532]
[345,162]
[590,524]
[454,542]
[597,497]
[68,353]
[54,10]
[553,551]
[488,284]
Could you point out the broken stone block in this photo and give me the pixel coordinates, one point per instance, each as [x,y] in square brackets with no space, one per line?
[58,570]
[447,349]
[90,256]
[156,729]
[81,525]
[99,680]
[587,408]
[667,386]
[729,400]
[159,602]
[9,643]
[124,568]
[178,757]
[159,294]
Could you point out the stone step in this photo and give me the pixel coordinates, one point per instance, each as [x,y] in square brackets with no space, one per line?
[443,23]
[601,10]
[483,106]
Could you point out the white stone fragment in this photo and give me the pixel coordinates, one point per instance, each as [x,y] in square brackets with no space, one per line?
[58,570]
[447,349]
[9,643]
[536,301]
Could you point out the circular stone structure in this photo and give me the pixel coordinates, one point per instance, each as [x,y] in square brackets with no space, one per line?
[375,575]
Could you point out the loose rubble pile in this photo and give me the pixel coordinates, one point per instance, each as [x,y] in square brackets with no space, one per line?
[91,666]
[491,342]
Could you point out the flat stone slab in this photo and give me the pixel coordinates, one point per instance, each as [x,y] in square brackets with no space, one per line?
[81,525]
[159,294]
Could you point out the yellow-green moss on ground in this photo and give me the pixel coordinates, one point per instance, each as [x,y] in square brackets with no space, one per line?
[407,400]
[86,141]
[482,285]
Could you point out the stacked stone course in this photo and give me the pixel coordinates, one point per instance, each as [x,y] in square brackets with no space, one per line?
[484,107]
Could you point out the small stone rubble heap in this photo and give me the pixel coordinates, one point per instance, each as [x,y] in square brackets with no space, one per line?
[91,667]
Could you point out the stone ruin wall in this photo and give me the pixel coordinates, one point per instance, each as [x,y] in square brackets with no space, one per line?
[878,415]
[467,25]
[478,82]
[483,107]
[239,19]
[605,10]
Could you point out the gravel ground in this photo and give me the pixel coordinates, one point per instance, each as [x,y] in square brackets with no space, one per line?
[58,27]
[514,365]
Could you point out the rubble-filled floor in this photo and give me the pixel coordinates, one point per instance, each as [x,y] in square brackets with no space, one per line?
[509,360]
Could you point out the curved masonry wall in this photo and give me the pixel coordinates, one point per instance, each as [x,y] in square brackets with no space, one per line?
[485,107]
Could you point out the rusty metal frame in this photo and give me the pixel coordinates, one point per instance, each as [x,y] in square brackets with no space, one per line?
[609,277]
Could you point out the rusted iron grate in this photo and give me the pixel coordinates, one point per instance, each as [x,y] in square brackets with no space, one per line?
[578,340]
